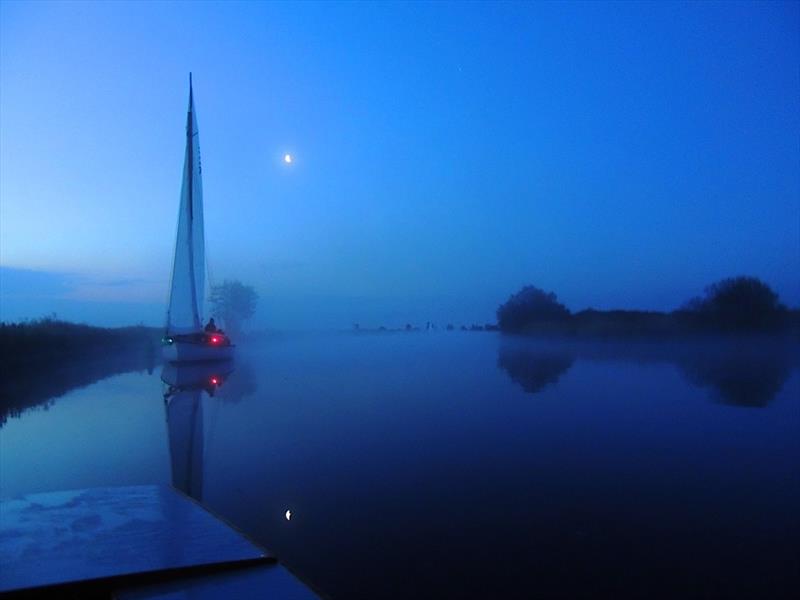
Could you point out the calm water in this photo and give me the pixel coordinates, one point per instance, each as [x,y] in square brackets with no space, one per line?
[458,465]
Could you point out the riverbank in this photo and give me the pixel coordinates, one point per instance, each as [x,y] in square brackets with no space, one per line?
[735,305]
[648,324]
[43,359]
[612,324]
[46,340]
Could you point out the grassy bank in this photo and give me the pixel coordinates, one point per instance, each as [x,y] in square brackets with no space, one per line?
[47,340]
[42,360]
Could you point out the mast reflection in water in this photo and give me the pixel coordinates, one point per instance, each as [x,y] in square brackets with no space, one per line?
[183,402]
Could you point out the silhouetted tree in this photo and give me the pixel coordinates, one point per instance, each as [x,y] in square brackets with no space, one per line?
[530,306]
[738,304]
[233,302]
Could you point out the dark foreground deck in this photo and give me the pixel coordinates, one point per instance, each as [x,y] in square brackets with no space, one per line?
[133,543]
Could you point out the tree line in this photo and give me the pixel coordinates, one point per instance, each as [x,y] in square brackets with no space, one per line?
[736,304]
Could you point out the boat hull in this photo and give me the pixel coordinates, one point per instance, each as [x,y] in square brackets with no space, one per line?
[187,352]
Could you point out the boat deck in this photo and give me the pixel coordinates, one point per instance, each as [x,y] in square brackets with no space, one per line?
[263,581]
[117,540]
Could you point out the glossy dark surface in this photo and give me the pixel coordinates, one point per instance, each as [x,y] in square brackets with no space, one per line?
[83,535]
[464,465]
[271,582]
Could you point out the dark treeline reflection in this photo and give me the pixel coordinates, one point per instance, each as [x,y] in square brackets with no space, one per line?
[39,384]
[740,376]
[739,372]
[534,368]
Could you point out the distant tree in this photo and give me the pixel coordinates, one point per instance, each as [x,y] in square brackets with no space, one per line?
[233,302]
[530,306]
[738,304]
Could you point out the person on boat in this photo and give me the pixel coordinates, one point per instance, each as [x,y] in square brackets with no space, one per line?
[211,327]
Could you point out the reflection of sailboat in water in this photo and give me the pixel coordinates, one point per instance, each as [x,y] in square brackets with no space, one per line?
[184,410]
[185,338]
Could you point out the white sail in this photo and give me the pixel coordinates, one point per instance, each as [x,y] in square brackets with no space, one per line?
[187,291]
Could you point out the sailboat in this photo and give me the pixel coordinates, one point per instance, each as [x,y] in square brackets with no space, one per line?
[185,338]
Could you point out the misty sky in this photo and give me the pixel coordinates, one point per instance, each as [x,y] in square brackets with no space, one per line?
[620,155]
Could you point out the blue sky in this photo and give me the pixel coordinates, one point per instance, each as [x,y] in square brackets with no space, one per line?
[621,155]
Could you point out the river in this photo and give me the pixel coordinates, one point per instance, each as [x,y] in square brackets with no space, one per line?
[458,464]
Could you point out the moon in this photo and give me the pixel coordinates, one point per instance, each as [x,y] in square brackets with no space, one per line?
[287,158]
[288,512]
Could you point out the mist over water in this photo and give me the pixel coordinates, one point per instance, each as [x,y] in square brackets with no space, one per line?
[566,467]
[511,289]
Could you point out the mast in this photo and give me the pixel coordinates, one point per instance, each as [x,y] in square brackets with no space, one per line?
[190,204]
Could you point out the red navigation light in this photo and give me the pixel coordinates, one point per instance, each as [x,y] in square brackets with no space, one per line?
[214,381]
[214,339]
